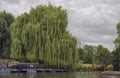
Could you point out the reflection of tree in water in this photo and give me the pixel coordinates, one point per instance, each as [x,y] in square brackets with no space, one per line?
[93,75]
[4,75]
[18,75]
[58,75]
[110,76]
[88,75]
[55,75]
[40,75]
[22,75]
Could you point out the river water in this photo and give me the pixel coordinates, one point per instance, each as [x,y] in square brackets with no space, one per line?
[56,75]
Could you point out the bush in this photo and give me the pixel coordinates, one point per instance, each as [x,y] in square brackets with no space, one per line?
[109,67]
[92,67]
[86,67]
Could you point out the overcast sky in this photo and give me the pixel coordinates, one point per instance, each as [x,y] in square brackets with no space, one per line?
[90,21]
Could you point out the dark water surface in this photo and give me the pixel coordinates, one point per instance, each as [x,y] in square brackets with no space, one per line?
[56,75]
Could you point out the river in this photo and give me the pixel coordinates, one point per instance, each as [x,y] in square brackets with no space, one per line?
[56,75]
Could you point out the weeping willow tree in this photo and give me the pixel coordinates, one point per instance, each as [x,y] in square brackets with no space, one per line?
[42,35]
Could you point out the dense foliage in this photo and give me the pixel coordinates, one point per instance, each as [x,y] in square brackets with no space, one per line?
[103,56]
[116,52]
[95,55]
[41,35]
[86,54]
[5,41]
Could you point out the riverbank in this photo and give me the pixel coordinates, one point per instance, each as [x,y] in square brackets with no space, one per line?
[93,67]
[115,73]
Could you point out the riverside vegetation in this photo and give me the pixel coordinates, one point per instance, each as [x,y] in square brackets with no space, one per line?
[41,36]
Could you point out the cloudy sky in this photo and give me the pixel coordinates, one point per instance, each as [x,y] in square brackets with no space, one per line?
[90,21]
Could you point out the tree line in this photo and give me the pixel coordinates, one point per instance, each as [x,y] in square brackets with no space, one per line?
[5,39]
[100,55]
[41,36]
[97,55]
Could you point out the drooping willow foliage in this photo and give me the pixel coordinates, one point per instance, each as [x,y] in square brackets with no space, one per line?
[42,35]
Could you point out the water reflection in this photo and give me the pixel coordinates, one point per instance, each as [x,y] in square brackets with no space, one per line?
[94,75]
[4,75]
[56,75]
[88,75]
[42,75]
[23,75]
[110,76]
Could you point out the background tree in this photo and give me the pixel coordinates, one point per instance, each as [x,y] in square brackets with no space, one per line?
[116,52]
[81,54]
[103,56]
[88,56]
[87,53]
[5,40]
[116,60]
[41,35]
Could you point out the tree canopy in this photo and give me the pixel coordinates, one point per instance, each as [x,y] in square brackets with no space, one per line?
[98,55]
[103,56]
[5,40]
[116,52]
[42,35]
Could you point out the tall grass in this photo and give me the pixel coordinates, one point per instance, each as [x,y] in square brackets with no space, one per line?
[92,67]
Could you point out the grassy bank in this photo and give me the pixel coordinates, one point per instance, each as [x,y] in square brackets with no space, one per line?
[92,67]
